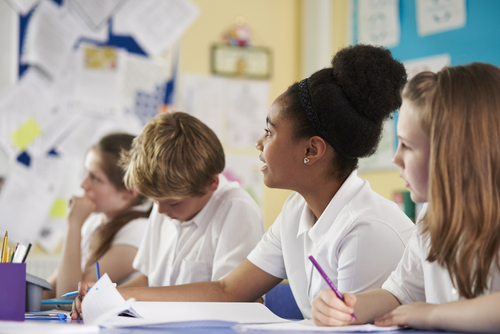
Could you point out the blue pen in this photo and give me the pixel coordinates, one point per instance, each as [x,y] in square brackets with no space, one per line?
[56,302]
[75,293]
[328,281]
[45,315]
[97,272]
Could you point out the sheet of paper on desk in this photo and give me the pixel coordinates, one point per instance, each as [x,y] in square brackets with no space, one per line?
[309,326]
[46,327]
[103,303]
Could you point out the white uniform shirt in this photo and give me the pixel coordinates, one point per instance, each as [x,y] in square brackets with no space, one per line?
[130,235]
[206,248]
[418,280]
[358,240]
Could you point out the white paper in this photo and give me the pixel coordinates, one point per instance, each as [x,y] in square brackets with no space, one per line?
[99,33]
[98,79]
[22,7]
[247,108]
[50,36]
[95,12]
[435,16]
[431,63]
[143,86]
[103,303]
[155,24]
[309,326]
[382,159]
[25,202]
[32,98]
[379,22]
[245,169]
[205,97]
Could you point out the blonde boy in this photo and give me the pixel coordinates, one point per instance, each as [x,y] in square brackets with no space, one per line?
[202,226]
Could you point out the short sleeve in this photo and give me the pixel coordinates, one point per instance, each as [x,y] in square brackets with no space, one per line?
[141,260]
[406,283]
[268,255]
[367,255]
[131,234]
[242,229]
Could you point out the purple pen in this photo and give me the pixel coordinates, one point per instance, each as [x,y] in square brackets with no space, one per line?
[328,281]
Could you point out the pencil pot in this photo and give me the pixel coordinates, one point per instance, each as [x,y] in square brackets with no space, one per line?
[12,291]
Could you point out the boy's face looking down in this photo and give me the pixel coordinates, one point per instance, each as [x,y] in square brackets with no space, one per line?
[187,208]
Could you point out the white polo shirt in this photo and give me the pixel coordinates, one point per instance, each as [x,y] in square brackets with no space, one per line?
[358,240]
[206,248]
[418,280]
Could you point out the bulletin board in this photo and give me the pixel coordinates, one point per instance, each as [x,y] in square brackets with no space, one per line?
[84,80]
[476,41]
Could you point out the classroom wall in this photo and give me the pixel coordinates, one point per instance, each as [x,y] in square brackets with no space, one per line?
[277,24]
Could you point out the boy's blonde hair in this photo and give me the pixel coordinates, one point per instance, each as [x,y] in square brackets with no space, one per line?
[176,156]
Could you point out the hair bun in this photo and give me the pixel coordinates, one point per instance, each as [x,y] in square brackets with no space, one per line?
[371,79]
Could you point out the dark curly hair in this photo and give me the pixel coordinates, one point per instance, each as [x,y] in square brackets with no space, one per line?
[371,80]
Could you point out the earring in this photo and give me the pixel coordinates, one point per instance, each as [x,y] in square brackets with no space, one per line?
[306,160]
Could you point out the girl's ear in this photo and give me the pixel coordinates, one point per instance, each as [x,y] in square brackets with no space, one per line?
[130,194]
[315,150]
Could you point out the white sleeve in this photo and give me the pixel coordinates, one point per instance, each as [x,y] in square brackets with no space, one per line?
[268,255]
[131,234]
[242,229]
[407,283]
[367,255]
[141,260]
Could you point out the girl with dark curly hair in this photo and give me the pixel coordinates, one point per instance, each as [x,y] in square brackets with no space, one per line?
[315,133]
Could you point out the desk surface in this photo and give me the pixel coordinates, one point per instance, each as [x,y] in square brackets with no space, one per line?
[185,330]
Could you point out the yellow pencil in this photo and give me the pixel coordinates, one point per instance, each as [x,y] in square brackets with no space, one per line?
[9,255]
[4,248]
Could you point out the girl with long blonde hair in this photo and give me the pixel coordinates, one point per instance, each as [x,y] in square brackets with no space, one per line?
[449,155]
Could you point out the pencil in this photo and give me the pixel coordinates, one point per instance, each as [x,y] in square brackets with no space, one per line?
[4,248]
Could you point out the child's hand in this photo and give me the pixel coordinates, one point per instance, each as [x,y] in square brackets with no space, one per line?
[76,309]
[415,315]
[329,310]
[79,210]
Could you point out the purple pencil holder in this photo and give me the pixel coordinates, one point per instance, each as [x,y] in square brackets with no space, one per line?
[12,291]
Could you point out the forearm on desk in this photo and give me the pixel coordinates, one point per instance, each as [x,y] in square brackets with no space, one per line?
[69,271]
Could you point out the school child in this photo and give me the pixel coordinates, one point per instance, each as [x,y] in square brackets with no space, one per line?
[202,225]
[448,131]
[105,225]
[315,134]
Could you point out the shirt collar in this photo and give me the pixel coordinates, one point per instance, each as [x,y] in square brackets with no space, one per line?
[317,229]
[199,219]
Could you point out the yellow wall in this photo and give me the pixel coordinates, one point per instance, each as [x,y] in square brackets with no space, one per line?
[275,24]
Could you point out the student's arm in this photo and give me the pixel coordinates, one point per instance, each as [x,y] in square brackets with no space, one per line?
[49,294]
[245,284]
[329,310]
[138,281]
[472,315]
[116,262]
[70,272]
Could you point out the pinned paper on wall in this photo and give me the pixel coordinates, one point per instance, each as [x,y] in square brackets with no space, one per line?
[155,24]
[95,12]
[26,134]
[435,16]
[50,36]
[59,208]
[432,63]
[245,169]
[382,159]
[22,7]
[379,22]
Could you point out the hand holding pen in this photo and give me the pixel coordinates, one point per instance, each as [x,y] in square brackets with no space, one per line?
[332,287]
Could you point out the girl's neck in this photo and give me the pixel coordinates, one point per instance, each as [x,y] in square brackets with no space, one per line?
[319,197]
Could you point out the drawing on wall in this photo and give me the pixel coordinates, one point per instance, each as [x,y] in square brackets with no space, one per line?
[432,63]
[378,22]
[435,16]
